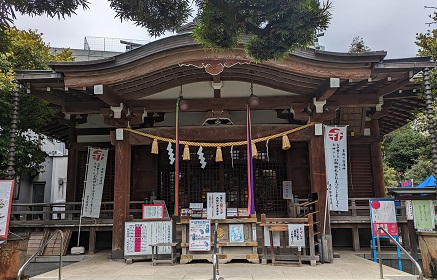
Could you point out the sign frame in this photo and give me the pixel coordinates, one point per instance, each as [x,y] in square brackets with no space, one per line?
[159,213]
[373,202]
[216,205]
[140,244]
[199,235]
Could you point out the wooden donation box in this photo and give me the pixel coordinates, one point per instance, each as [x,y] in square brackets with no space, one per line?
[236,233]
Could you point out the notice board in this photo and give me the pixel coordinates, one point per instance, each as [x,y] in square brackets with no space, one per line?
[138,236]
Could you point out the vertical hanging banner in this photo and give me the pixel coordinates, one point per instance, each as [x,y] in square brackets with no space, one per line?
[176,169]
[95,179]
[250,182]
[336,167]
[6,191]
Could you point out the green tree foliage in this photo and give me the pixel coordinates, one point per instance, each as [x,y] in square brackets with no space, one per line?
[275,27]
[25,50]
[358,45]
[391,177]
[420,170]
[52,8]
[427,42]
[403,147]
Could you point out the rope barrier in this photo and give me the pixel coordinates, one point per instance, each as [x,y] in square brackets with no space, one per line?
[215,145]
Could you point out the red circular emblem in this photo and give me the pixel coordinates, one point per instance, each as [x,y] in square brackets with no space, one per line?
[98,155]
[376,204]
[335,134]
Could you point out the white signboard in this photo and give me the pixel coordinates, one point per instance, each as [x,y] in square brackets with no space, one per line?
[276,237]
[198,205]
[287,192]
[409,210]
[216,208]
[200,235]
[138,236]
[94,182]
[153,211]
[296,235]
[6,191]
[383,214]
[336,167]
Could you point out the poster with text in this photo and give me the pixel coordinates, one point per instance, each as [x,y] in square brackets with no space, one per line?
[383,214]
[287,191]
[153,211]
[138,237]
[423,211]
[200,235]
[95,179]
[6,191]
[296,235]
[336,167]
[216,205]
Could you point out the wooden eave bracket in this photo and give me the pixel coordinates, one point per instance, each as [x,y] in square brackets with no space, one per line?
[107,95]
[319,105]
[381,102]
[327,89]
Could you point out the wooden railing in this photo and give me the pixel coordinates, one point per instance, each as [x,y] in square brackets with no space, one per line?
[359,212]
[64,211]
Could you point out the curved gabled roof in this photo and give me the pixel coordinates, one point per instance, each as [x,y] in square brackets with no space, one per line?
[145,77]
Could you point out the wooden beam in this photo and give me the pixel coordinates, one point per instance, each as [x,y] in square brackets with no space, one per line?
[377,162]
[328,88]
[217,91]
[358,85]
[49,96]
[220,104]
[393,86]
[121,194]
[219,133]
[83,107]
[107,95]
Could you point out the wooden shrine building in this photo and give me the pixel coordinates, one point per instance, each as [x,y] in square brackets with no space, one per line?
[138,90]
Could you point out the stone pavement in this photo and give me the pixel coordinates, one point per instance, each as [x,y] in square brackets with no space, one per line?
[348,266]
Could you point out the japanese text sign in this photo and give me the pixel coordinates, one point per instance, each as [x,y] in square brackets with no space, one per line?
[216,206]
[336,167]
[95,179]
[383,214]
[296,235]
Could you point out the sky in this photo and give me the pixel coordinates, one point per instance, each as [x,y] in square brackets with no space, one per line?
[389,25]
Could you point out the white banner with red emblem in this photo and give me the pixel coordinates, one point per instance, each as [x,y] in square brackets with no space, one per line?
[336,167]
[95,179]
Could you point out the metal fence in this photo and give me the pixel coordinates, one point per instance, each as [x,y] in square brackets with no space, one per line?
[111,44]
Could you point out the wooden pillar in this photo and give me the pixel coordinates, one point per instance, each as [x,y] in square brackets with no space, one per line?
[318,179]
[71,165]
[92,241]
[121,194]
[316,152]
[377,170]
[377,163]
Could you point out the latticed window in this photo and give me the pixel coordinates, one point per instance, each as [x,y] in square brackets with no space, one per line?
[229,176]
